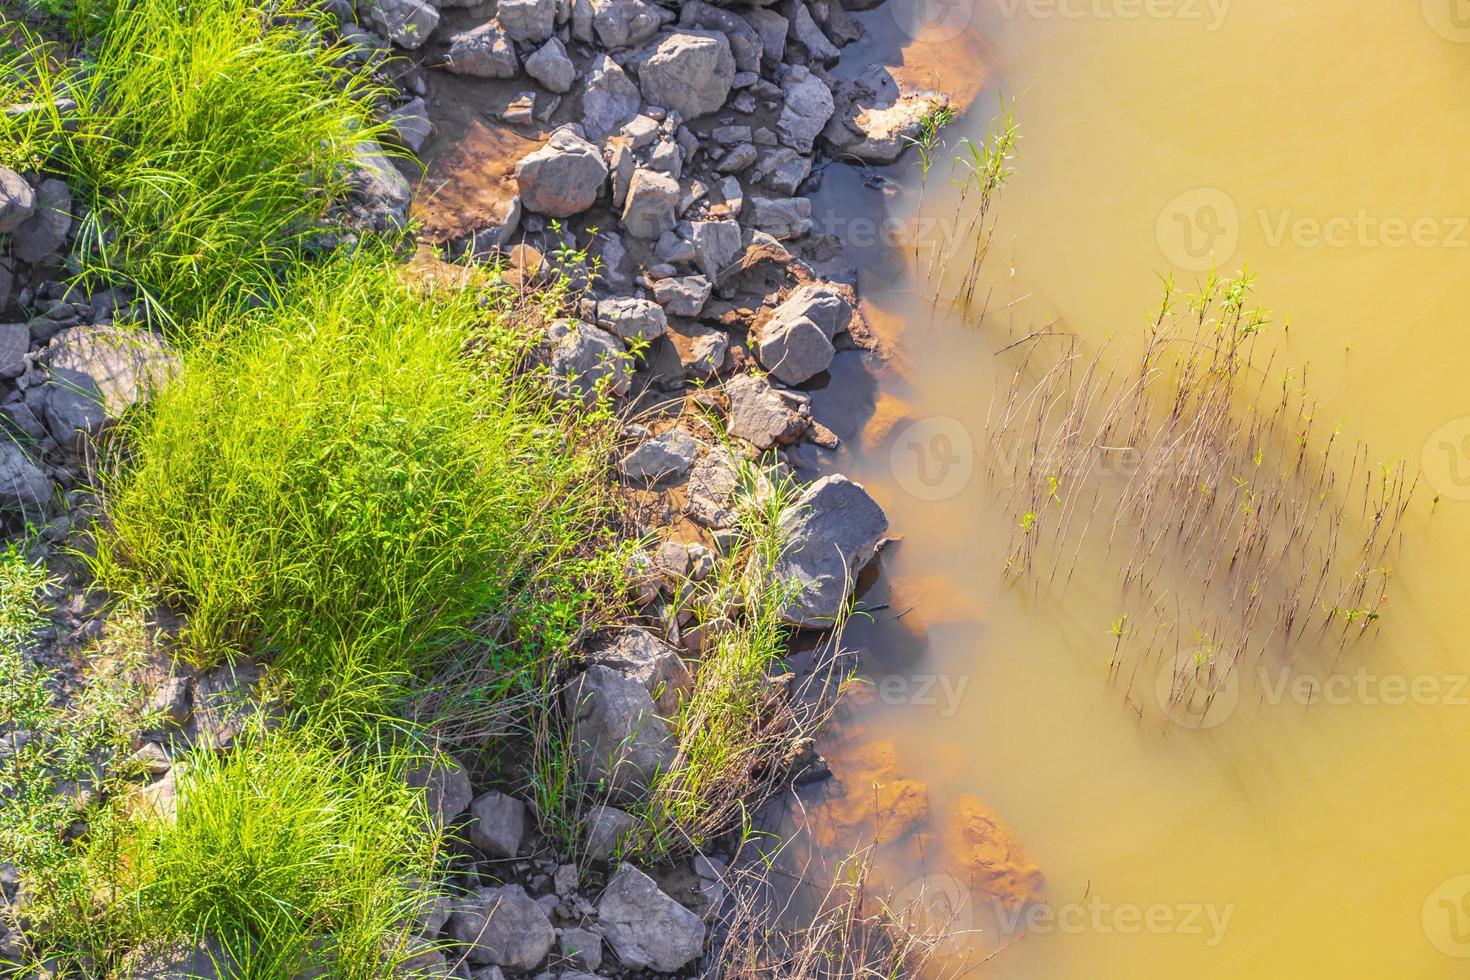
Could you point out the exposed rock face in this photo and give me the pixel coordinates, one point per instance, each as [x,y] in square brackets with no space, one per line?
[617,737]
[832,531]
[550,66]
[407,23]
[796,341]
[639,654]
[993,857]
[485,52]
[531,21]
[581,947]
[609,100]
[760,414]
[665,457]
[562,178]
[17,201]
[583,357]
[689,71]
[807,109]
[498,825]
[503,926]
[42,236]
[645,927]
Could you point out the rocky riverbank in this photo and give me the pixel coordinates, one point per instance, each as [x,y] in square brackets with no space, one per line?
[676,145]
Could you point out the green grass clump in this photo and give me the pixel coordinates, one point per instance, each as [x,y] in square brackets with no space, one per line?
[290,852]
[208,139]
[367,485]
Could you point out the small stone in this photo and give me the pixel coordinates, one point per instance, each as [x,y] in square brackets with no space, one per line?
[407,23]
[41,237]
[531,21]
[484,52]
[639,654]
[796,340]
[585,357]
[624,23]
[808,107]
[604,830]
[760,416]
[562,178]
[782,218]
[446,787]
[632,319]
[649,210]
[410,124]
[609,100]
[833,529]
[582,948]
[618,740]
[740,158]
[17,201]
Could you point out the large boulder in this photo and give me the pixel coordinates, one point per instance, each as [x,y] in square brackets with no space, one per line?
[562,178]
[583,356]
[531,21]
[808,107]
[407,23]
[484,52]
[689,71]
[609,100]
[503,926]
[618,738]
[94,374]
[645,927]
[41,237]
[17,200]
[795,342]
[639,654]
[830,532]
[745,41]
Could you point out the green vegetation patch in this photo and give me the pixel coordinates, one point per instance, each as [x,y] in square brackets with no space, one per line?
[369,485]
[204,140]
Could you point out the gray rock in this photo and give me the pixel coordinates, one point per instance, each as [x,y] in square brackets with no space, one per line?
[378,195]
[410,124]
[582,948]
[23,486]
[667,157]
[688,71]
[682,296]
[739,158]
[717,244]
[7,283]
[563,177]
[646,928]
[745,41]
[711,489]
[832,530]
[796,340]
[92,375]
[673,250]
[805,32]
[609,100]
[701,350]
[625,23]
[632,318]
[446,787]
[876,120]
[639,654]
[503,926]
[502,219]
[499,824]
[620,166]
[42,236]
[488,973]
[772,28]
[665,457]
[15,343]
[584,356]
[808,107]
[603,830]
[207,959]
[648,211]
[531,21]
[550,66]
[17,200]
[618,740]
[641,131]
[781,217]
[760,415]
[407,23]
[483,52]
[783,169]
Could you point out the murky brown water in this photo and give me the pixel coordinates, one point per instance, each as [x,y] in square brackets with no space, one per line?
[1324,144]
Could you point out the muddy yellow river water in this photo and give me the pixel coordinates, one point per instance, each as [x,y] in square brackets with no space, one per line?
[1325,143]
